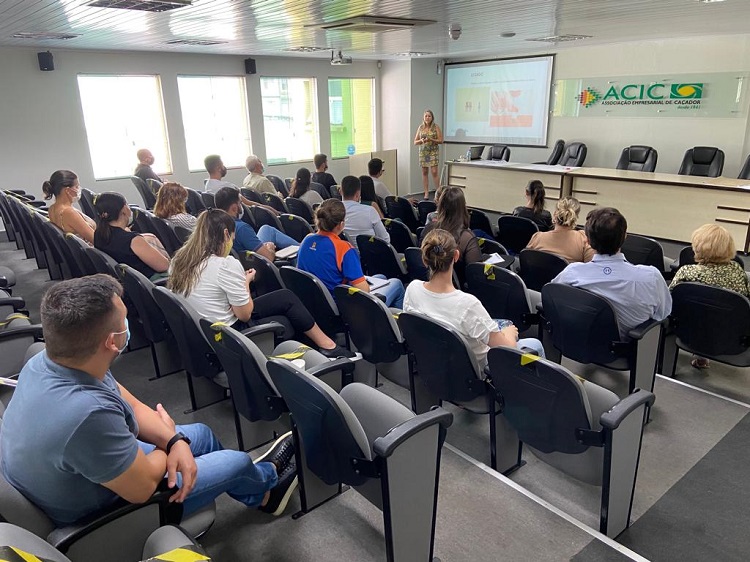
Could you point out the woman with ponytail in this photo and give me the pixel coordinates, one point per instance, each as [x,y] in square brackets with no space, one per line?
[439,299]
[216,285]
[534,208]
[142,252]
[64,187]
[564,240]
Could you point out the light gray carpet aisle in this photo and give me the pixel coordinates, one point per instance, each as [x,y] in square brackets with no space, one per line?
[31,283]
[726,380]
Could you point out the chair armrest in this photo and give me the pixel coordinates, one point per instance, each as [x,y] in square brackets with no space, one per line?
[63,538]
[340,364]
[3,282]
[385,446]
[37,204]
[16,302]
[162,282]
[260,329]
[32,330]
[640,331]
[616,415]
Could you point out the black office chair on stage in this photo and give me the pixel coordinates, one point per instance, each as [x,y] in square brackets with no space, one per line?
[514,233]
[538,268]
[705,161]
[574,154]
[499,152]
[639,158]
[554,156]
[745,172]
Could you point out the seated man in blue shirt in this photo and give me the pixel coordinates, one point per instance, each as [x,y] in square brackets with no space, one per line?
[74,440]
[264,242]
[637,292]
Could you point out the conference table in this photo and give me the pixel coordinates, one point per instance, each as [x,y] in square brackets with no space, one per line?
[666,206]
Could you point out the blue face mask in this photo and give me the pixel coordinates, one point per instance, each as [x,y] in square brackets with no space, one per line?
[126,331]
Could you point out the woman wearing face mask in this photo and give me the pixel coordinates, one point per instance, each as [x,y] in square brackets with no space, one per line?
[64,187]
[217,286]
[142,252]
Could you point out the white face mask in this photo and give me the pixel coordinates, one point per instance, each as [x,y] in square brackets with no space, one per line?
[77,196]
[241,213]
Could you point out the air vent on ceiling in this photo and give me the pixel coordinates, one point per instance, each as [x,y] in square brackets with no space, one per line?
[41,35]
[199,42]
[143,5]
[371,24]
[305,49]
[560,38]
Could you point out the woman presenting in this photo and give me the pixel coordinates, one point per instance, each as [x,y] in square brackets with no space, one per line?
[428,137]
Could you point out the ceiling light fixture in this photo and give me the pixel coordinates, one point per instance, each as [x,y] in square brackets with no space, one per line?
[305,49]
[44,36]
[196,42]
[560,38]
[412,54]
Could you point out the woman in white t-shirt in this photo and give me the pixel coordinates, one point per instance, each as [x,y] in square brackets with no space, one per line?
[439,299]
[218,288]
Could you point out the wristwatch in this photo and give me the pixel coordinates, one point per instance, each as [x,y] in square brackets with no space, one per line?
[179,436]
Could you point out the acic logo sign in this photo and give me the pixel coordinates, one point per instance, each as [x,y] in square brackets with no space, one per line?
[683,96]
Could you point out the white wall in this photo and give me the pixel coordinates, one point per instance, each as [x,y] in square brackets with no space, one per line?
[42,122]
[395,112]
[606,136]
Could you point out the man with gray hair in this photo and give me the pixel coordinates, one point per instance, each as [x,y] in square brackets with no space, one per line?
[255,179]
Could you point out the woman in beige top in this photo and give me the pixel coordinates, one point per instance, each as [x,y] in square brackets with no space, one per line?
[64,187]
[564,240]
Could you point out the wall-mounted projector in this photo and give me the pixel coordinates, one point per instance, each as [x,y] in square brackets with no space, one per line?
[340,59]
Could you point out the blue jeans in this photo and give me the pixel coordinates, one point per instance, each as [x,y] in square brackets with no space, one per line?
[393,292]
[280,240]
[530,343]
[221,470]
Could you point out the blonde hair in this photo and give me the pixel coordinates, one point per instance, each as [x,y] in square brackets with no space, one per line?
[424,125]
[566,213]
[438,249]
[713,244]
[170,200]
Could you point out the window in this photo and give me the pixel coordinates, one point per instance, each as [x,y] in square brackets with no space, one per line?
[214,115]
[290,117]
[123,114]
[351,104]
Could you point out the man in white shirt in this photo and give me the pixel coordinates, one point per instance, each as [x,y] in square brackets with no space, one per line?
[255,179]
[375,169]
[636,292]
[360,219]
[216,172]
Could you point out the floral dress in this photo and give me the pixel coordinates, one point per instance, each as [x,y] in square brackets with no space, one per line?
[428,153]
[727,276]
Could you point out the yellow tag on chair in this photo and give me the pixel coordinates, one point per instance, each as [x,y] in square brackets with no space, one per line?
[352,290]
[527,358]
[489,272]
[180,555]
[296,354]
[218,335]
[12,317]
[12,554]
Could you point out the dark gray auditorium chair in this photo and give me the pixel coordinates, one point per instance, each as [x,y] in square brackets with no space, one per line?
[300,208]
[369,441]
[574,154]
[514,233]
[583,327]
[194,203]
[10,304]
[267,275]
[279,184]
[638,157]
[575,426]
[710,322]
[401,208]
[640,250]
[379,257]
[499,152]
[169,541]
[7,277]
[706,161]
[745,172]
[149,199]
[537,268]
[19,341]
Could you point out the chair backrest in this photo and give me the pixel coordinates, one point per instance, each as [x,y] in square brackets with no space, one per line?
[274,201]
[208,199]
[710,321]
[640,250]
[194,203]
[479,220]
[542,401]
[331,434]
[103,263]
[182,233]
[267,276]
[515,232]
[370,324]
[263,216]
[745,172]
[317,298]
[378,256]
[87,203]
[55,237]
[557,150]
[582,325]
[424,208]
[401,209]
[139,290]
[149,199]
[320,189]
[167,235]
[154,185]
[499,152]
[501,292]
[245,367]
[278,184]
[539,268]
[488,246]
[445,362]
[401,236]
[300,208]
[638,157]
[415,267]
[574,154]
[252,195]
[295,226]
[197,356]
[78,251]
[705,161]
[142,221]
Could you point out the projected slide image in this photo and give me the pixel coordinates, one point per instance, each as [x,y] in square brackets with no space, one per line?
[472,104]
[509,108]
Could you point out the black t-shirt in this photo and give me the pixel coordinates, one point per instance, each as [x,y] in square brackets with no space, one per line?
[324,178]
[119,249]
[543,220]
[145,172]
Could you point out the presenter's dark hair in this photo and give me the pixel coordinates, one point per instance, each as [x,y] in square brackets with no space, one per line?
[301,183]
[606,230]
[535,190]
[452,214]
[329,215]
[58,181]
[78,314]
[108,207]
[350,186]
[226,197]
[211,161]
